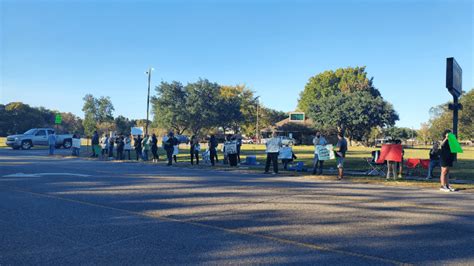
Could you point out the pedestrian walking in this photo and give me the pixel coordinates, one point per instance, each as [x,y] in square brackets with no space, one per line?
[154,148]
[194,149]
[434,159]
[446,161]
[52,143]
[137,144]
[120,146]
[95,144]
[341,154]
[273,146]
[213,150]
[319,139]
[127,147]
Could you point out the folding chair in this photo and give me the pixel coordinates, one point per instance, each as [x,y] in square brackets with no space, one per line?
[411,165]
[425,164]
[375,168]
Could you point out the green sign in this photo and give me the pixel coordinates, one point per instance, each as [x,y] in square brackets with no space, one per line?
[58,119]
[454,144]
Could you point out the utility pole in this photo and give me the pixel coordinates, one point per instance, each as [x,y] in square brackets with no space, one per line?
[148,100]
[257,135]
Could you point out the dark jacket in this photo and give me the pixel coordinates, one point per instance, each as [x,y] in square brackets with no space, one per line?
[95,139]
[137,143]
[213,143]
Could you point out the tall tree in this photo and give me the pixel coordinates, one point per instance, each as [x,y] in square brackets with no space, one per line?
[169,107]
[96,111]
[203,103]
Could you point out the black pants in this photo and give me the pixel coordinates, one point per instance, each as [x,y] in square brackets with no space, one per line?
[315,166]
[139,153]
[119,154]
[194,154]
[169,155]
[232,159]
[154,151]
[128,153]
[238,152]
[111,151]
[272,157]
[213,154]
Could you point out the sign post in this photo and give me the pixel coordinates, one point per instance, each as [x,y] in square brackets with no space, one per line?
[454,86]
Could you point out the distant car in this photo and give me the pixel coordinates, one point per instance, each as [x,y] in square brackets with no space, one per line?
[247,141]
[183,139]
[38,137]
[284,140]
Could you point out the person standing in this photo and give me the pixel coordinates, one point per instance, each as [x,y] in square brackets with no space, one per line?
[287,156]
[194,149]
[446,161]
[76,144]
[175,150]
[52,143]
[230,149]
[111,146]
[168,144]
[120,146]
[95,144]
[154,148]
[137,144]
[146,147]
[434,159]
[238,139]
[104,143]
[273,148]
[127,147]
[213,150]
[341,154]
[318,140]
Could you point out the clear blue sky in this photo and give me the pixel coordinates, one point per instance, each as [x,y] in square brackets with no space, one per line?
[54,52]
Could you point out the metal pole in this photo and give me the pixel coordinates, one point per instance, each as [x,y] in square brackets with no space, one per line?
[148,101]
[455,115]
[257,137]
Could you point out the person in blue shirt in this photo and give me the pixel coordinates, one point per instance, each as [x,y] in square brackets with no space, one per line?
[52,143]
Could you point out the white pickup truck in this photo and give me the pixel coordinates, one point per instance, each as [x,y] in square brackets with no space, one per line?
[38,137]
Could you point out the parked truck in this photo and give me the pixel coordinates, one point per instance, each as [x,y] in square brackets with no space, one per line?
[38,137]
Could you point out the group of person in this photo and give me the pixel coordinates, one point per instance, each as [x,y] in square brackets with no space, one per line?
[274,146]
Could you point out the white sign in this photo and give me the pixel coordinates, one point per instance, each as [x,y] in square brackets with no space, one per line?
[137,131]
[76,143]
[230,147]
[325,152]
[285,153]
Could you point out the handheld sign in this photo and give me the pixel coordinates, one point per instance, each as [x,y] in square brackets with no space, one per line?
[58,119]
[454,145]
[324,152]
[136,131]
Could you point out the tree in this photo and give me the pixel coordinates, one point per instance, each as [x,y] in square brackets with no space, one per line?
[355,114]
[402,133]
[203,105]
[169,107]
[96,112]
[123,125]
[331,83]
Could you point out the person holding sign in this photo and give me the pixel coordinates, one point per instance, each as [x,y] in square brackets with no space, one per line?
[154,148]
[230,150]
[194,149]
[341,154]
[446,160]
[213,149]
[273,148]
[127,146]
[76,144]
[318,140]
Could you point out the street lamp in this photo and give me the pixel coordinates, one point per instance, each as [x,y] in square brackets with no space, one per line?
[148,99]
[256,128]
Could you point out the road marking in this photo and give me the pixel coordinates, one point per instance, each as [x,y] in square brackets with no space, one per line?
[234,231]
[44,174]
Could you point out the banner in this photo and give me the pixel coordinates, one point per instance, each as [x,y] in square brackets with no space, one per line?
[137,131]
[324,152]
[76,143]
[390,152]
[454,144]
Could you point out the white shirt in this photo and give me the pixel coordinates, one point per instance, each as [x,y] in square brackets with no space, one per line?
[273,145]
[319,141]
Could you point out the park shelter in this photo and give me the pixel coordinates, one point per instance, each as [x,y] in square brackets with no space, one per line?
[296,125]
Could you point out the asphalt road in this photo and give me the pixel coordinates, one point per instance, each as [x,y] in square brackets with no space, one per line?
[74,211]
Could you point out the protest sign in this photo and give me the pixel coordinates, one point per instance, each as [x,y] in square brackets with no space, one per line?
[390,152]
[76,143]
[230,147]
[324,152]
[285,153]
[454,144]
[136,131]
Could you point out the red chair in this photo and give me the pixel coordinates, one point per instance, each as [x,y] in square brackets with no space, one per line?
[411,164]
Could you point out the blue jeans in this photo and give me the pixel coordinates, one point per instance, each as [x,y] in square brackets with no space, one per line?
[433,164]
[75,151]
[145,155]
[51,149]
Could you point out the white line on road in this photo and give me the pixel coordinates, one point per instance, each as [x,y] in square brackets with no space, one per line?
[44,174]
